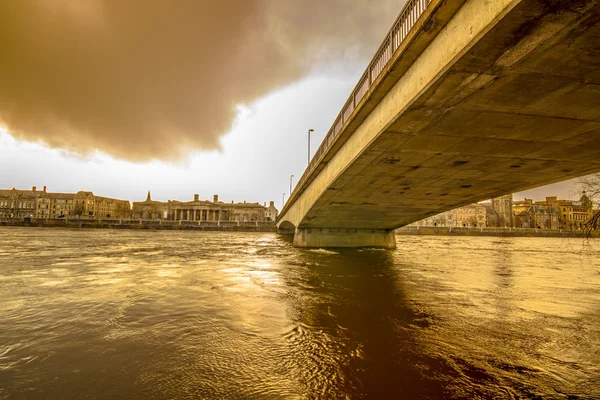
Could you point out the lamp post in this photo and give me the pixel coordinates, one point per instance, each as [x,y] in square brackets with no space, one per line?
[309,131]
[283,201]
[291,177]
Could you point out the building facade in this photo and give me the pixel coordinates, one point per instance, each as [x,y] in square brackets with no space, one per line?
[539,215]
[503,209]
[109,208]
[205,210]
[55,205]
[573,215]
[150,209]
[16,203]
[271,212]
[470,216]
[445,219]
[43,204]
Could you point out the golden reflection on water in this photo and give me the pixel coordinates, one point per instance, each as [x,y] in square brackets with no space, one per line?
[211,315]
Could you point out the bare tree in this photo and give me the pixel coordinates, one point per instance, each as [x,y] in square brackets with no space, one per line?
[590,185]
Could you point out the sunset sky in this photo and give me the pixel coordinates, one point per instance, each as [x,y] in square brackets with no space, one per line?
[124,97]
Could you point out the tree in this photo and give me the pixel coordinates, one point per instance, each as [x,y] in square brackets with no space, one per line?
[590,186]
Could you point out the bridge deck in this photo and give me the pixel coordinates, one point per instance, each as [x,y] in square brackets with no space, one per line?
[498,97]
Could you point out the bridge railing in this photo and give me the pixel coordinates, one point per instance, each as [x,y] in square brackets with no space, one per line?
[409,15]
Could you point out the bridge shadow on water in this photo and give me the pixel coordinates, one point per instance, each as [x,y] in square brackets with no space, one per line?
[358,334]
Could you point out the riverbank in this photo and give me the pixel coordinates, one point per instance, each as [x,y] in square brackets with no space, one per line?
[234,226]
[503,232]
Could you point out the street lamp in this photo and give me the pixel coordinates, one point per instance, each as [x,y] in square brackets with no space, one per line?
[291,177]
[309,131]
[283,201]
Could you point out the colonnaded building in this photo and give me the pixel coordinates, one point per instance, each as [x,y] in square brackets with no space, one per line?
[203,210]
[35,203]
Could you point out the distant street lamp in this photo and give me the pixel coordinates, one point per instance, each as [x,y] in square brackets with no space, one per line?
[291,177]
[283,201]
[309,131]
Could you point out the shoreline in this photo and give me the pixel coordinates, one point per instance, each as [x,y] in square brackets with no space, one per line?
[499,232]
[232,226]
[225,226]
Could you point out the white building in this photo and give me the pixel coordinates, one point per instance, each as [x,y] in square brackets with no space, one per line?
[271,212]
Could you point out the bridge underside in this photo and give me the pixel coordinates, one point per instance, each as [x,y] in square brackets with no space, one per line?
[517,108]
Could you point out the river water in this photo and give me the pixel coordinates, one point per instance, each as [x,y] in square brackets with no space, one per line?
[175,315]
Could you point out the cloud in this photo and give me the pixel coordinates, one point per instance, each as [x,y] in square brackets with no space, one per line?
[148,79]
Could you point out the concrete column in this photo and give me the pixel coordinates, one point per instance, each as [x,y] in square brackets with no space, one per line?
[194,214]
[331,237]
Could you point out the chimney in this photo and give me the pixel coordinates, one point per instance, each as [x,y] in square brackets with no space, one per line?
[33,188]
[196,197]
[271,204]
[216,198]
[44,189]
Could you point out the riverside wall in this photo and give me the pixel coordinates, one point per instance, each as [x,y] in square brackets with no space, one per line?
[504,232]
[262,226]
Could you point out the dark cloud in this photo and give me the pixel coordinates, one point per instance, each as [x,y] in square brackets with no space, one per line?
[149,79]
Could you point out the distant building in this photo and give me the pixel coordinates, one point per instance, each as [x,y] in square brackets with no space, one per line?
[55,205]
[245,212]
[88,205]
[271,212]
[445,219]
[491,217]
[539,215]
[502,208]
[150,209]
[472,215]
[573,215]
[205,210]
[106,207]
[84,204]
[553,213]
[198,210]
[17,203]
[44,204]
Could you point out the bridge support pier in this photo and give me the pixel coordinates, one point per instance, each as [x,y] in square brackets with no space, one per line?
[332,237]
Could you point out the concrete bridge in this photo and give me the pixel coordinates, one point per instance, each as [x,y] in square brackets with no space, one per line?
[465,100]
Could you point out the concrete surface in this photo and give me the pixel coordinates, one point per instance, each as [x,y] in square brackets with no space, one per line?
[485,98]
